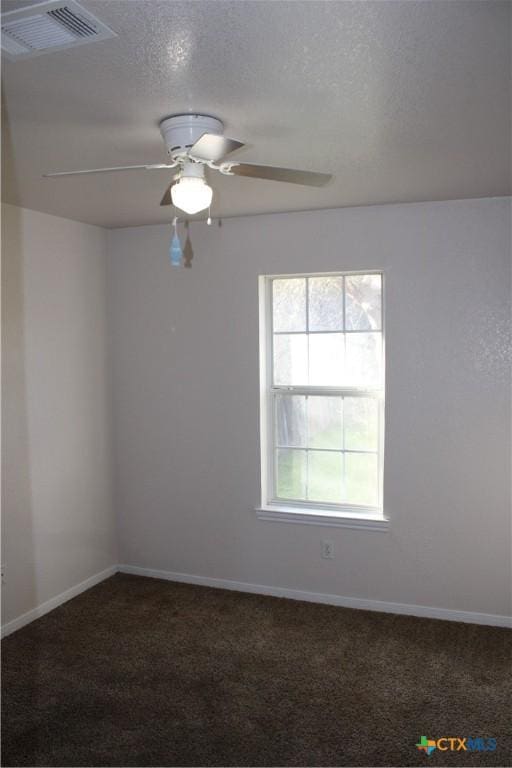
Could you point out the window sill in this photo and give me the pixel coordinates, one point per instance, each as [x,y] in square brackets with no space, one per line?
[282,514]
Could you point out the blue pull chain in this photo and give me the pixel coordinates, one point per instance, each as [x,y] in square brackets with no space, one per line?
[175,249]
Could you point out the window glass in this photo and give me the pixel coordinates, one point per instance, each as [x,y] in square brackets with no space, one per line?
[326,389]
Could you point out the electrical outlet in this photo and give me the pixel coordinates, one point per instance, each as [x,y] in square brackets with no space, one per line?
[327,548]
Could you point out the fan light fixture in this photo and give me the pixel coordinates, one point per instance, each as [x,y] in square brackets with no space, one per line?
[191,193]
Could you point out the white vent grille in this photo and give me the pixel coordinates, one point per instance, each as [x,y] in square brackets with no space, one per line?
[37,33]
[76,24]
[55,26]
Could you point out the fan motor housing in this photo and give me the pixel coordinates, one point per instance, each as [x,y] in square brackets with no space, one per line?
[180,132]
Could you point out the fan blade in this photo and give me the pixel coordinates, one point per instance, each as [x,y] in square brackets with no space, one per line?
[308,178]
[167,199]
[155,166]
[213,148]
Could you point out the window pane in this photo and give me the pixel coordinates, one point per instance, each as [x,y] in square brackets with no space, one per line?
[325,476]
[325,445]
[291,359]
[289,304]
[360,423]
[325,303]
[326,356]
[363,296]
[364,357]
[291,474]
[325,428]
[291,420]
[361,478]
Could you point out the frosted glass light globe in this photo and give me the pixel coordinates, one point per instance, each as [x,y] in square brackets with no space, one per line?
[191,194]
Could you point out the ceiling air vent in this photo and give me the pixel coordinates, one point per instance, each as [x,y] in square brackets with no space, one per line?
[49,27]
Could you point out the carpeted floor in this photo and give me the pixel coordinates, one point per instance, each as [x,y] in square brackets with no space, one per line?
[142,672]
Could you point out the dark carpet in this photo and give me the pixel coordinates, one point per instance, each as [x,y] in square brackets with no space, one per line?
[142,672]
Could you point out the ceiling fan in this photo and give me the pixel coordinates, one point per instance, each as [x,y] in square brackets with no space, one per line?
[193,143]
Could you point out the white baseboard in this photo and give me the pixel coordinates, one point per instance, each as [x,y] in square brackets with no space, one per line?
[54,602]
[360,603]
[423,611]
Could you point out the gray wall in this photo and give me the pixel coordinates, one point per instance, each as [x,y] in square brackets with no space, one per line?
[57,517]
[185,377]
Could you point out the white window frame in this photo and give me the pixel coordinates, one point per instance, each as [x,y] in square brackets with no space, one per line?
[273,508]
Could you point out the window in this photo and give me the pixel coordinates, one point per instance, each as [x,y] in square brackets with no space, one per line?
[322,392]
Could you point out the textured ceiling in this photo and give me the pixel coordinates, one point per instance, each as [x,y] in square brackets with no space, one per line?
[402,101]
